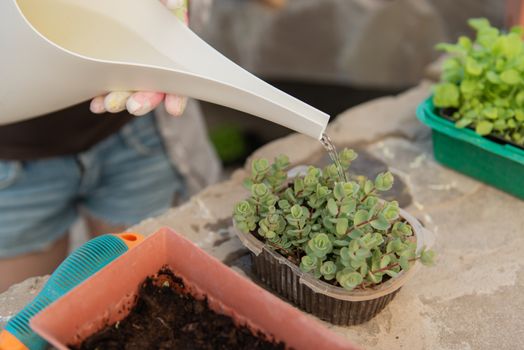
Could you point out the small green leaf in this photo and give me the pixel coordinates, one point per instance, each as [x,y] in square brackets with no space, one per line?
[490,112]
[510,45]
[427,257]
[310,182]
[363,253]
[348,206]
[270,234]
[328,270]
[510,77]
[450,48]
[450,64]
[282,161]
[298,186]
[372,202]
[370,241]
[462,123]
[493,77]
[353,246]
[468,87]
[361,216]
[349,280]
[386,259]
[391,211]
[342,226]
[384,181]
[345,253]
[259,190]
[518,138]
[374,277]
[487,37]
[395,246]
[244,208]
[478,23]
[346,156]
[446,95]
[248,183]
[332,207]
[473,67]
[519,115]
[308,263]
[389,247]
[320,245]
[465,42]
[340,243]
[484,128]
[350,188]
[401,229]
[338,191]
[296,211]
[284,204]
[356,233]
[381,223]
[260,166]
[520,98]
[368,187]
[290,196]
[501,124]
[404,262]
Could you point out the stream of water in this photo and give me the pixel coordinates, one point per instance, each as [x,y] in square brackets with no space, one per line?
[333,154]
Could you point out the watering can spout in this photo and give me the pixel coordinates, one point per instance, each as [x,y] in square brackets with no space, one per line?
[67,51]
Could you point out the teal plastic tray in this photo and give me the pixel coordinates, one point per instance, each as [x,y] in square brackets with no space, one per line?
[497,164]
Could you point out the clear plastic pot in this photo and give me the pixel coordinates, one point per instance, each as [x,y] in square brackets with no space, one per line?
[333,304]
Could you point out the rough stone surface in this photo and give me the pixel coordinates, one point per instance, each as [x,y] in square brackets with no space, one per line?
[472,298]
[16,297]
[362,42]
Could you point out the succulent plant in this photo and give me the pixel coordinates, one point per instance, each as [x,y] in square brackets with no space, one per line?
[339,231]
[483,82]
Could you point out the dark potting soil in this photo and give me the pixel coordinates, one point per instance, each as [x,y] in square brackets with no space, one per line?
[165,317]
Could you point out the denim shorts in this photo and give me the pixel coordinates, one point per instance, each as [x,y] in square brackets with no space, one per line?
[121,180]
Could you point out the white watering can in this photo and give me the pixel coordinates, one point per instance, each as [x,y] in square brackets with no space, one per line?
[57,53]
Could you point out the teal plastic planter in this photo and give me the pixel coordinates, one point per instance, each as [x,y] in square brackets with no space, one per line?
[497,164]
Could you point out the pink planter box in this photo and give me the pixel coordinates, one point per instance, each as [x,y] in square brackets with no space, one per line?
[107,297]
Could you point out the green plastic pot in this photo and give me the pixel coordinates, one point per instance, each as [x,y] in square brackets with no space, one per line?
[500,165]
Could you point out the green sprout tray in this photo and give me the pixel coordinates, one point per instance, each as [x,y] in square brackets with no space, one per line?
[498,164]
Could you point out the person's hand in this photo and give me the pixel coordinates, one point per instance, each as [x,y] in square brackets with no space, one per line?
[142,102]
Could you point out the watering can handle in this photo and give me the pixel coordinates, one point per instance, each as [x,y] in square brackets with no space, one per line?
[80,265]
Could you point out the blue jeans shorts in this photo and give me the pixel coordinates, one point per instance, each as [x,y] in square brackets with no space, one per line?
[121,180]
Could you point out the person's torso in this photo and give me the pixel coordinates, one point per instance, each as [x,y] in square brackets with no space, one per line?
[65,132]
